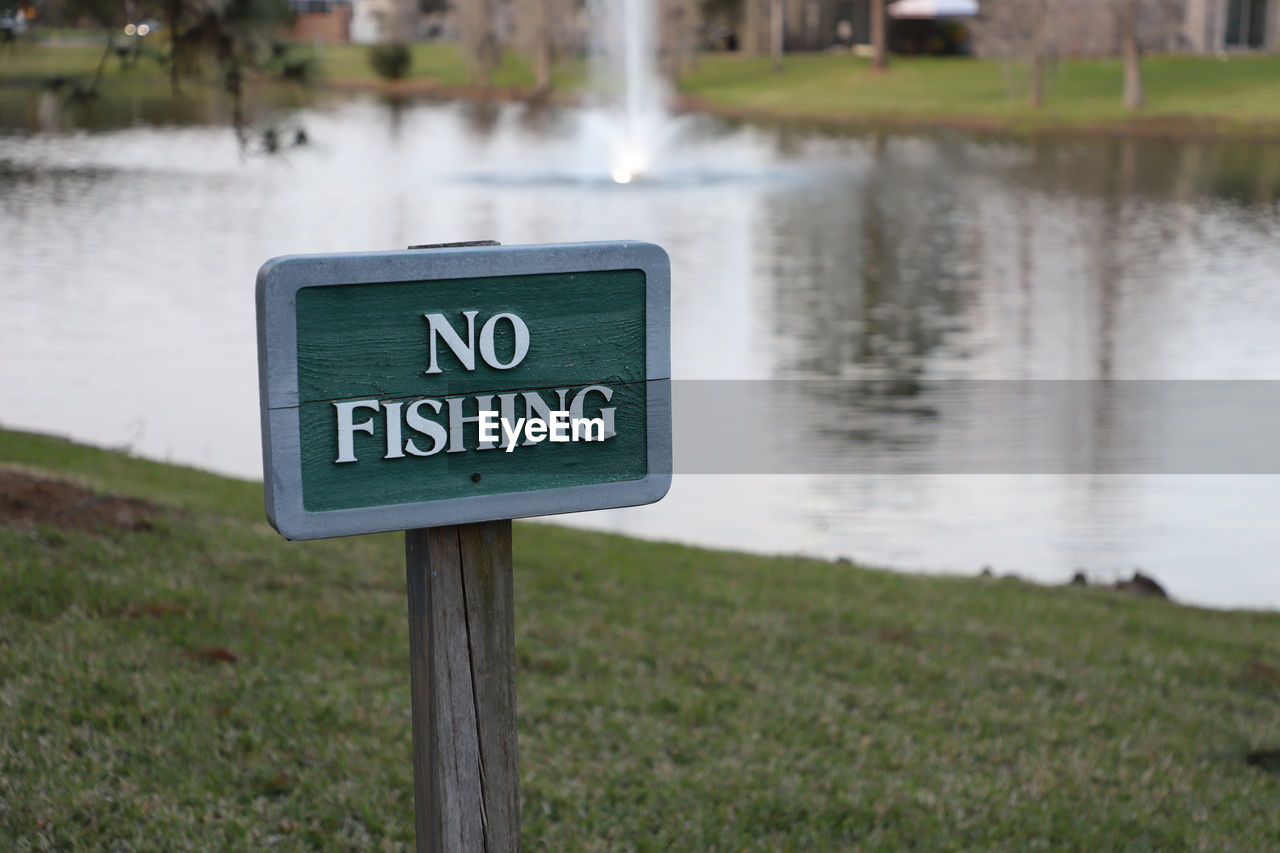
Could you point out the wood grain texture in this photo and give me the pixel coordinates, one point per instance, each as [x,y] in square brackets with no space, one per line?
[490,608]
[462,660]
[371,340]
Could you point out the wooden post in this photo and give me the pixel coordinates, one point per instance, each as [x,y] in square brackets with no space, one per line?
[459,577]
[462,659]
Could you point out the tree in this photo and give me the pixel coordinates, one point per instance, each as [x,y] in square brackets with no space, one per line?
[749,23]
[1025,28]
[879,36]
[541,32]
[1139,22]
[477,33]
[679,35]
[777,32]
[1127,19]
[1035,93]
[761,30]
[1019,29]
[228,38]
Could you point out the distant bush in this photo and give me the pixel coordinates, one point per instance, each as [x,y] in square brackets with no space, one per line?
[390,60]
[298,69]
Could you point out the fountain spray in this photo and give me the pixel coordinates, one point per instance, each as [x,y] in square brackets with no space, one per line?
[632,124]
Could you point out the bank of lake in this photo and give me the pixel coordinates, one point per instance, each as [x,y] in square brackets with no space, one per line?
[1233,95]
[174,675]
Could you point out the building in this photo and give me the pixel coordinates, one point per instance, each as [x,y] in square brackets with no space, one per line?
[808,24]
[1089,27]
[1076,27]
[1215,25]
[372,21]
[322,21]
[358,21]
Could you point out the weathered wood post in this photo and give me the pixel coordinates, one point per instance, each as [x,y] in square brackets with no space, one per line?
[382,378]
[462,648]
[462,662]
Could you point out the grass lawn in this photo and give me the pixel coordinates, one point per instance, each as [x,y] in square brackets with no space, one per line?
[337,65]
[1238,95]
[28,63]
[73,66]
[440,63]
[1234,93]
[175,676]
[443,63]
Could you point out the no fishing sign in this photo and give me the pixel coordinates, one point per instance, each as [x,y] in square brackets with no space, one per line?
[416,389]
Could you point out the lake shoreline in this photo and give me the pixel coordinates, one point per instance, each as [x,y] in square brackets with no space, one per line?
[931,253]
[1160,127]
[1189,97]
[151,604]
[1146,128]
[1140,584]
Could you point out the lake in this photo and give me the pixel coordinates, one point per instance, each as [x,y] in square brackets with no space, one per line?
[929,352]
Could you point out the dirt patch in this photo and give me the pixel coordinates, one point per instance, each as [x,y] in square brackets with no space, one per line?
[28,499]
[212,654]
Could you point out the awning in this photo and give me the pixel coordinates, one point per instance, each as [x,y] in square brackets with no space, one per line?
[933,9]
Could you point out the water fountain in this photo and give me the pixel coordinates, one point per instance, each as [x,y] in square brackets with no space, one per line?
[628,126]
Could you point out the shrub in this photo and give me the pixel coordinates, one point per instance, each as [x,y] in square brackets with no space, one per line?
[390,60]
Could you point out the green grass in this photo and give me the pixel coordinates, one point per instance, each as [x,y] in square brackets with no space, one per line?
[1205,94]
[24,62]
[1242,90]
[431,61]
[26,69]
[669,697]
[439,63]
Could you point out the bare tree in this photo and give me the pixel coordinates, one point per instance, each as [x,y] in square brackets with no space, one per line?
[1019,30]
[1034,29]
[879,36]
[679,35]
[1140,22]
[477,31]
[763,23]
[1035,93]
[543,29]
[1127,19]
[232,39]
[777,32]
[749,43]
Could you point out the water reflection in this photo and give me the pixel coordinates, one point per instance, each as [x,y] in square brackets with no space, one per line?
[52,108]
[874,269]
[880,269]
[1239,172]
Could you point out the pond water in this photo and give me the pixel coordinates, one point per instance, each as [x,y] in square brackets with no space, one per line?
[906,296]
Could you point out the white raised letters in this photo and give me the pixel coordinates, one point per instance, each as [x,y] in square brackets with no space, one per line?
[486,341]
[346,429]
[495,426]
[439,328]
[437,325]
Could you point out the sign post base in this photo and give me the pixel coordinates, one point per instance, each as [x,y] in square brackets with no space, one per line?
[462,660]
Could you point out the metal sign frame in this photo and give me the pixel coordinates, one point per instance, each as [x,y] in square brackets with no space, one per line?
[279,281]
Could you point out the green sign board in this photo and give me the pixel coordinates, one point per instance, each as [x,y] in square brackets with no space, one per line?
[421,388]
